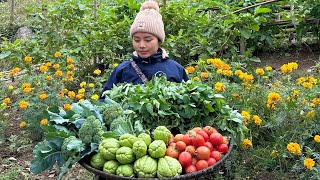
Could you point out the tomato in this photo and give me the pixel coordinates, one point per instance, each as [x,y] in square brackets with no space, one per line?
[198,140]
[209,130]
[194,160]
[185,159]
[178,137]
[209,145]
[216,139]
[196,129]
[203,152]
[225,140]
[211,161]
[223,148]
[202,164]
[203,134]
[216,155]
[173,144]
[191,149]
[190,169]
[171,140]
[187,139]
[192,133]
[172,152]
[181,146]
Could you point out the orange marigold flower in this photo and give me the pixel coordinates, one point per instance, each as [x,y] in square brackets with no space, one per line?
[246,143]
[6,100]
[48,64]
[71,94]
[27,59]
[69,60]
[309,163]
[26,85]
[67,107]
[257,120]
[23,124]
[317,138]
[27,90]
[23,104]
[42,96]
[43,68]
[294,148]
[44,122]
[69,73]
[204,75]
[57,54]
[190,69]
[58,73]
[219,87]
[14,71]
[56,66]
[61,94]
[80,96]
[49,78]
[71,66]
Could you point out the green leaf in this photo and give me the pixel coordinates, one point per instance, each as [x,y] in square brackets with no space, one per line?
[77,108]
[260,10]
[254,27]
[5,54]
[57,118]
[82,7]
[245,32]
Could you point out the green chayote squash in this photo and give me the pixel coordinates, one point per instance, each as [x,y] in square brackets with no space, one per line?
[162,133]
[108,148]
[145,137]
[111,166]
[168,167]
[125,155]
[97,161]
[127,140]
[157,149]
[139,148]
[125,170]
[146,167]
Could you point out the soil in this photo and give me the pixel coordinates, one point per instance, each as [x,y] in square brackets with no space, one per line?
[15,157]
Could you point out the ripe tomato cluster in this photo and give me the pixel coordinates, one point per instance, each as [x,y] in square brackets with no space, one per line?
[198,149]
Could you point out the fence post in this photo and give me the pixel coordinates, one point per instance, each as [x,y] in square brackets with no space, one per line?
[12,13]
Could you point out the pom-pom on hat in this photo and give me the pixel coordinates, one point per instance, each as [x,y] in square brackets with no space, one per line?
[149,20]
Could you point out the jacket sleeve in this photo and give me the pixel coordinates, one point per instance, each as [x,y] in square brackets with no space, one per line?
[111,81]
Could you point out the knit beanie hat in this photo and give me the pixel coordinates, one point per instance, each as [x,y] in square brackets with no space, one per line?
[149,20]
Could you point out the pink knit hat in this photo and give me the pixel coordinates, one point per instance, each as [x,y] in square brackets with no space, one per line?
[149,20]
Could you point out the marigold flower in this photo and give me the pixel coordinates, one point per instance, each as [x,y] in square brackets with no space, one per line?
[23,104]
[246,143]
[6,100]
[49,78]
[204,75]
[268,68]
[97,72]
[190,69]
[82,90]
[238,72]
[10,87]
[317,138]
[23,124]
[71,94]
[80,95]
[70,78]
[83,84]
[311,114]
[300,80]
[307,85]
[27,90]
[274,153]
[294,148]
[43,68]
[57,54]
[42,96]
[27,59]
[61,94]
[274,97]
[67,107]
[217,62]
[71,66]
[295,93]
[95,97]
[44,122]
[309,163]
[69,73]
[257,120]
[312,80]
[236,95]
[219,71]
[246,114]
[196,79]
[219,87]
[227,72]
[69,60]
[293,65]
[58,73]
[56,66]
[14,71]
[48,64]
[26,85]
[210,61]
[91,85]
[260,71]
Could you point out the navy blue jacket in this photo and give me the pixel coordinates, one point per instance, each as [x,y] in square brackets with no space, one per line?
[155,64]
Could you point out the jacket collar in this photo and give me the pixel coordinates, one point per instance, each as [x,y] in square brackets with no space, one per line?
[159,56]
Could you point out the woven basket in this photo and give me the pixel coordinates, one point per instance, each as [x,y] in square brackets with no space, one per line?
[85,162]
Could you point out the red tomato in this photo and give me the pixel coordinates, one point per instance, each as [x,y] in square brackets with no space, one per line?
[198,140]
[202,164]
[209,145]
[216,139]
[173,144]
[190,169]
[187,139]
[225,140]
[211,161]
[209,130]
[216,155]
[203,134]
[223,148]
[185,159]
[203,152]
[171,140]
[181,146]
[190,149]
[172,152]
[178,137]
[196,129]
[192,133]
[194,160]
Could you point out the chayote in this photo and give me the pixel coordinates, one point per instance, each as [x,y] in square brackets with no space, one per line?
[125,170]
[162,133]
[146,167]
[145,137]
[125,155]
[157,149]
[111,166]
[108,148]
[139,148]
[97,161]
[127,140]
[168,167]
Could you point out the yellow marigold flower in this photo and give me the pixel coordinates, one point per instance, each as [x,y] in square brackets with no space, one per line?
[311,114]
[248,77]
[312,80]
[293,65]
[296,93]
[271,105]
[6,100]
[257,120]
[245,121]
[301,80]
[95,97]
[27,59]
[69,60]
[238,72]
[56,66]
[260,71]
[317,138]
[71,66]
[83,84]
[217,63]
[27,90]
[49,78]
[10,87]
[204,75]
[246,143]
[308,163]
[316,101]
[274,97]
[44,122]
[246,114]
[225,67]
[82,90]
[97,72]
[67,107]
[14,71]
[71,94]
[91,85]
[274,153]
[58,73]
[209,61]
[48,64]
[268,68]
[196,79]
[70,78]
[61,94]
[69,73]
[190,69]
[285,69]
[23,104]
[80,96]
[307,85]
[23,124]
[227,72]
[236,95]
[219,71]
[219,87]
[26,85]
[42,96]
[63,80]
[43,68]
[294,148]
[115,64]
[57,54]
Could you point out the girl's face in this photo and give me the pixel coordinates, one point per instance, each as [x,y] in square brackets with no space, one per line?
[145,44]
